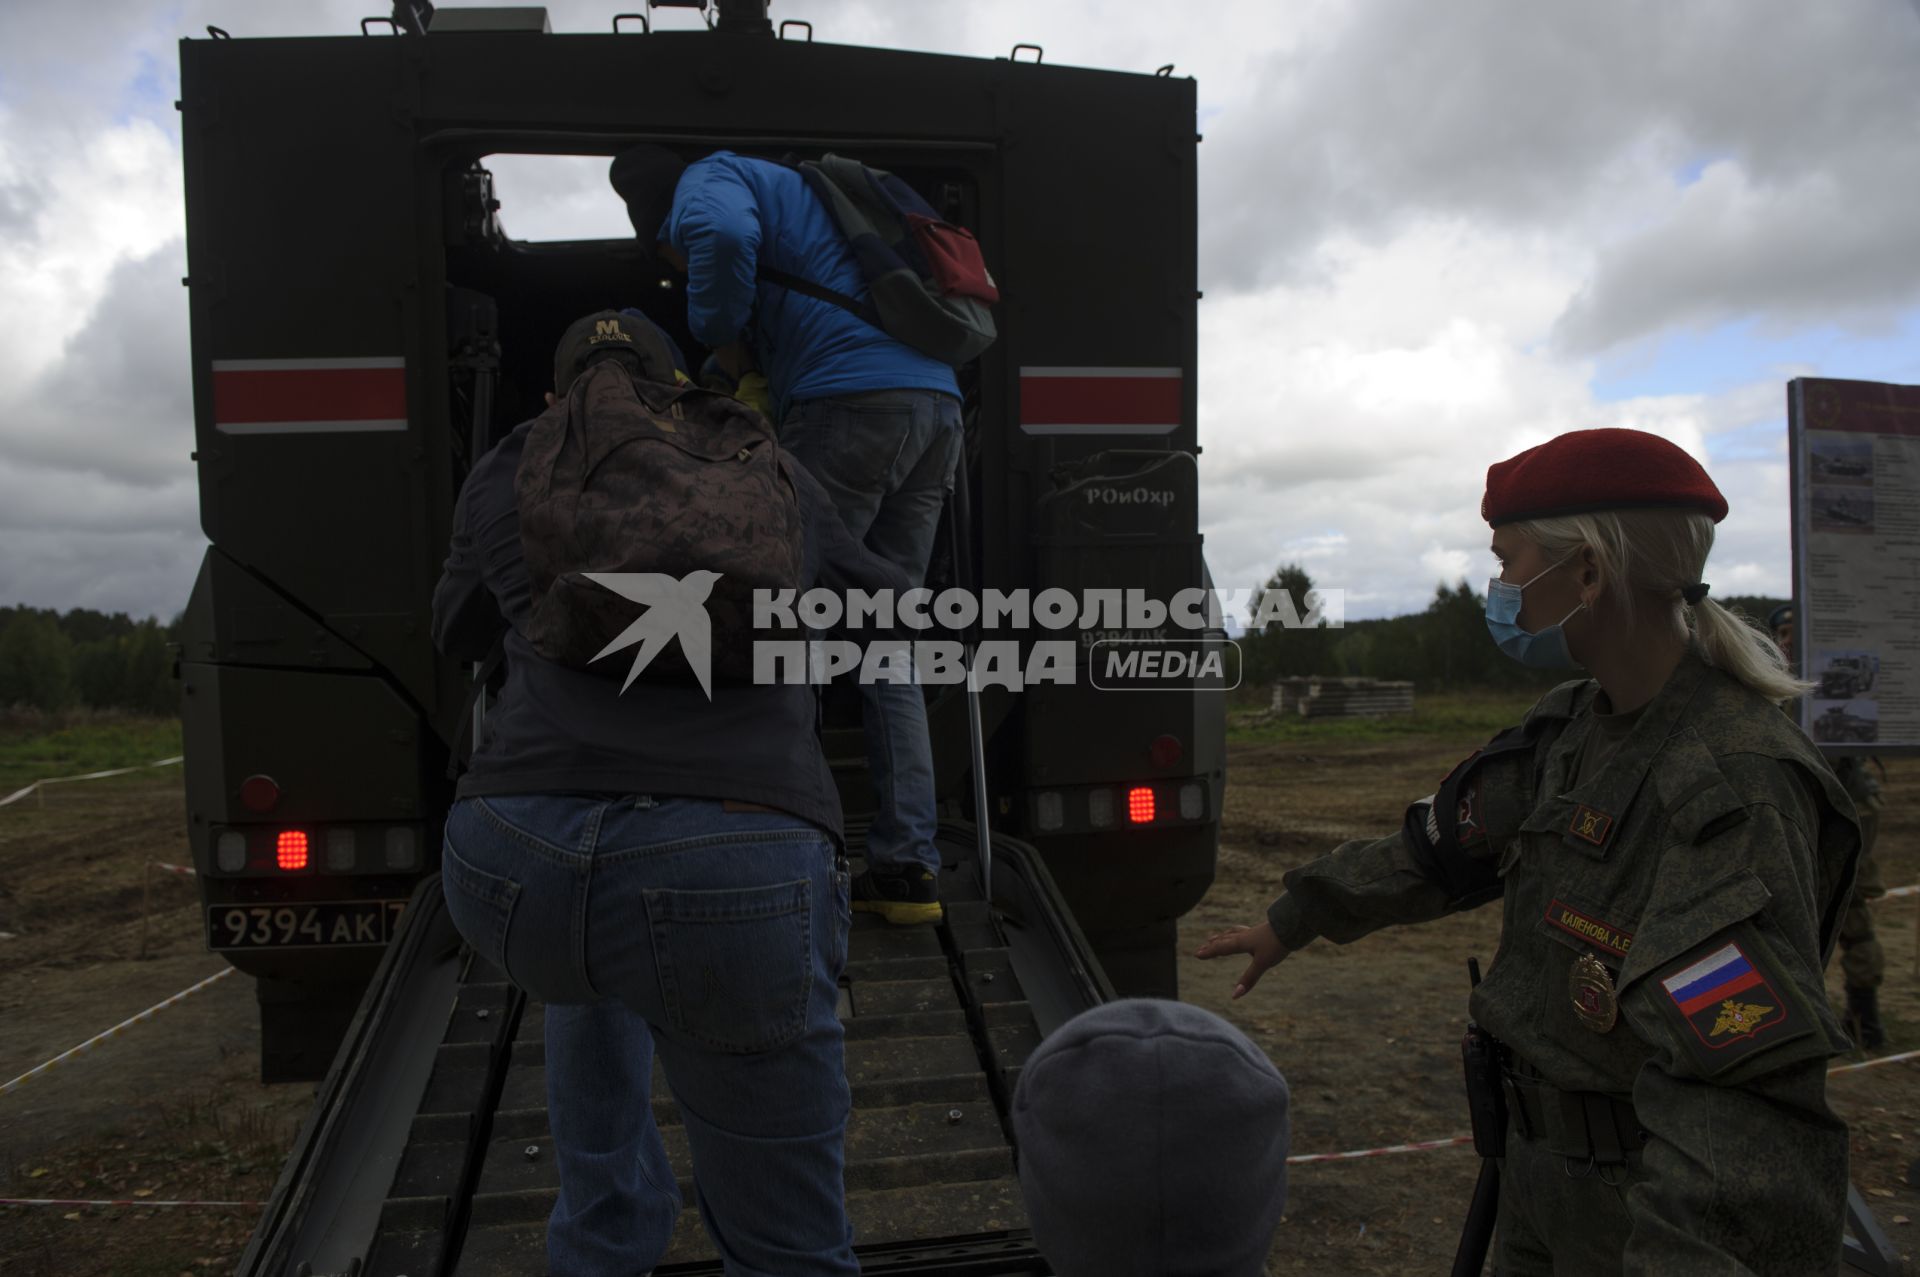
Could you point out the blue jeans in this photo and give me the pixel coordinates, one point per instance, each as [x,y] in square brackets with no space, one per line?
[887,458]
[712,938]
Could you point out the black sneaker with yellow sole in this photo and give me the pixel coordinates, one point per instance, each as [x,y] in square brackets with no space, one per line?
[902,894]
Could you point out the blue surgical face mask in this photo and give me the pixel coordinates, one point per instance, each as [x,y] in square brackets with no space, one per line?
[1544,649]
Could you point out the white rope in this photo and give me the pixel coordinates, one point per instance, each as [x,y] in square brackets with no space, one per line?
[121,1027]
[18,794]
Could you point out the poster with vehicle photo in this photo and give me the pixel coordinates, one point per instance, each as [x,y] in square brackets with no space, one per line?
[1855,457]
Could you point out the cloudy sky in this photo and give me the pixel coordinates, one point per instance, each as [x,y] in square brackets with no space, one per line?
[1432,234]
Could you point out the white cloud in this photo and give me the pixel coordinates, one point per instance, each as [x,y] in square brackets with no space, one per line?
[77,206]
[1419,225]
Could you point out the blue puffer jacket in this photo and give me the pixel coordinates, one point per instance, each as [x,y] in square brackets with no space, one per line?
[729,214]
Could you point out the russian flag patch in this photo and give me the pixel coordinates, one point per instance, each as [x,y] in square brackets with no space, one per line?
[1725,998]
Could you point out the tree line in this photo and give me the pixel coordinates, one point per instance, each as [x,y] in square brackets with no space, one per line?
[57,661]
[1445,647]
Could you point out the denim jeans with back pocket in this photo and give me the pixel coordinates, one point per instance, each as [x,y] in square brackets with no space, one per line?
[887,458]
[712,938]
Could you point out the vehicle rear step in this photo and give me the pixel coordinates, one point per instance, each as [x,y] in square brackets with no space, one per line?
[938,1025]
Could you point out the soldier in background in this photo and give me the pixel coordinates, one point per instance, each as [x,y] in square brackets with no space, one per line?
[1673,857]
[1863,964]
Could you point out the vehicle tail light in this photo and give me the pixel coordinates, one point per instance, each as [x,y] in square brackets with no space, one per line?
[1100,808]
[1166,751]
[1193,801]
[290,850]
[1140,805]
[230,851]
[339,850]
[1049,810]
[403,849]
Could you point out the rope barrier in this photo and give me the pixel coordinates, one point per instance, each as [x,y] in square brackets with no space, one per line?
[1874,1063]
[71,1201]
[117,1029]
[1420,1147]
[18,794]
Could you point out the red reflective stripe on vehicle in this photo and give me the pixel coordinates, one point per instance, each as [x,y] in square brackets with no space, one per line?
[370,392]
[1092,397]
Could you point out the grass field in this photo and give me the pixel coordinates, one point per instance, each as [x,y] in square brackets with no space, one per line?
[35,747]
[1435,714]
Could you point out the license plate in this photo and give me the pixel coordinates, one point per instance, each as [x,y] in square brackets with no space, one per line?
[322,924]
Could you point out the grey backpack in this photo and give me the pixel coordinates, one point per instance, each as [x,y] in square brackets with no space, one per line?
[929,284]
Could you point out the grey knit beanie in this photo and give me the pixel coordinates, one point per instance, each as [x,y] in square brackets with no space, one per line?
[1153,1142]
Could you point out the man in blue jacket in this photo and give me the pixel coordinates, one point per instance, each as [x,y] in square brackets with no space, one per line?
[877,422]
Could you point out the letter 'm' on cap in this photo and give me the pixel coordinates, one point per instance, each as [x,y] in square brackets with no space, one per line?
[1584,471]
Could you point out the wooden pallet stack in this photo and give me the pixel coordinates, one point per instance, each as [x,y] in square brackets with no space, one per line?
[1342,697]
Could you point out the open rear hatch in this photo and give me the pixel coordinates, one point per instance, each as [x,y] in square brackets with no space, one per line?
[427,1151]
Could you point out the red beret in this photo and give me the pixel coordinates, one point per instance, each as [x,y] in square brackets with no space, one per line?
[1583,471]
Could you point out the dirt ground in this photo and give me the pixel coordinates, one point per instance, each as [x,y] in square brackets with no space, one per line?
[1367,1034]
[169,1109]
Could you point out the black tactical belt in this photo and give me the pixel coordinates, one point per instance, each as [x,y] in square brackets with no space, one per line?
[1589,1128]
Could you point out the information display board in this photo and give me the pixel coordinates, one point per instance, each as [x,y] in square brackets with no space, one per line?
[1855,456]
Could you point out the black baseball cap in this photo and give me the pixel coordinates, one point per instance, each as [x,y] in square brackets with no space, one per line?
[1782,615]
[645,177]
[609,332]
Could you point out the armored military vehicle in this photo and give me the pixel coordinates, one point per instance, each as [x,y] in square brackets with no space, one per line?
[1848,676]
[1840,726]
[365,324]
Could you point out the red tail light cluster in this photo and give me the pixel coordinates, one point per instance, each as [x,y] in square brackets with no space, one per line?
[290,850]
[1140,805]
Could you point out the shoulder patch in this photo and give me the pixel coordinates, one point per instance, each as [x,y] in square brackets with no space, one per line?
[1728,1003]
[1715,989]
[1469,828]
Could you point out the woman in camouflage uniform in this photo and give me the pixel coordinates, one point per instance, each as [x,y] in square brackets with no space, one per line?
[1673,857]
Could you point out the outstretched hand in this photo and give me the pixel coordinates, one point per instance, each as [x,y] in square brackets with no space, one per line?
[1257,941]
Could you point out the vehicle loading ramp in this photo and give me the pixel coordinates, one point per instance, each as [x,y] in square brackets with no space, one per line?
[428,1152]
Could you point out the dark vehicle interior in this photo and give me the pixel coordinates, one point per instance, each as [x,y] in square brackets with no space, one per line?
[530,291]
[508,301]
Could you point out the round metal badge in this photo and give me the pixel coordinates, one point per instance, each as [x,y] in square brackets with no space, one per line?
[1592,991]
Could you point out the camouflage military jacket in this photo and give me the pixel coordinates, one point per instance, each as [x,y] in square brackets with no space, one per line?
[1665,926]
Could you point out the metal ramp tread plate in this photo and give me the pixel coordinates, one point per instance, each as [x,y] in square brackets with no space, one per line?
[936,1025]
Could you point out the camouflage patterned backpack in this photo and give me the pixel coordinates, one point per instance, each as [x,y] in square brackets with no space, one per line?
[628,476]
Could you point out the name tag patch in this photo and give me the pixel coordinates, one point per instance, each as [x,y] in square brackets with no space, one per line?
[1601,935]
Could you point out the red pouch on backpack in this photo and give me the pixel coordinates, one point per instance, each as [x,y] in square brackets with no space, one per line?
[954,260]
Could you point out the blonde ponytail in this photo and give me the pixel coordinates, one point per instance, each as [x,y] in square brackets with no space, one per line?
[1730,640]
[1646,558]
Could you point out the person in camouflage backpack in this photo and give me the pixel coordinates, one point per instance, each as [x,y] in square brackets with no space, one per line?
[662,866]
[1863,963]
